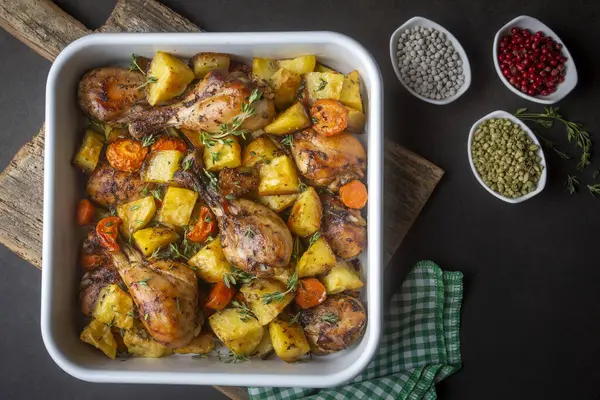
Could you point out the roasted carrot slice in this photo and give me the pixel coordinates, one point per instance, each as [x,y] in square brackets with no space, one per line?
[85,212]
[206,226]
[107,231]
[329,117]
[220,295]
[126,155]
[310,293]
[169,143]
[354,194]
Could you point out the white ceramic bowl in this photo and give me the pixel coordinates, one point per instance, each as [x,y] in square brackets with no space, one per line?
[60,316]
[420,21]
[541,183]
[534,25]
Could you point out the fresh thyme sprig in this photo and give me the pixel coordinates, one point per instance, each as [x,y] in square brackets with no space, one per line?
[149,80]
[554,147]
[133,64]
[571,184]
[576,132]
[594,189]
[330,318]
[278,297]
[234,129]
[244,311]
[288,140]
[176,253]
[187,164]
[314,238]
[148,140]
[237,276]
[296,318]
[231,357]
[213,181]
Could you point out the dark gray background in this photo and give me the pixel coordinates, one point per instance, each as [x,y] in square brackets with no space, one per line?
[531,314]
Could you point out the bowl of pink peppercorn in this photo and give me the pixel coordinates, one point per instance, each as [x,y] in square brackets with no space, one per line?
[533,62]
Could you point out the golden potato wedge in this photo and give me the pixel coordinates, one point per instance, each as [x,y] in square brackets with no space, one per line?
[203,63]
[238,332]
[299,65]
[265,347]
[323,85]
[160,166]
[141,344]
[278,177]
[285,84]
[221,155]
[288,340]
[265,311]
[356,121]
[99,335]
[350,95]
[262,149]
[291,120]
[263,68]
[136,214]
[88,154]
[148,240]
[324,68]
[194,138]
[341,277]
[316,260]
[171,76]
[278,202]
[210,263]
[202,344]
[305,218]
[114,307]
[177,206]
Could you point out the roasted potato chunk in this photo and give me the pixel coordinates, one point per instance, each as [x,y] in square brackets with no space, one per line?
[316,260]
[170,77]
[285,84]
[291,120]
[288,340]
[324,68]
[324,85]
[89,152]
[334,325]
[253,294]
[340,278]
[203,63]
[202,344]
[305,218]
[277,202]
[160,166]
[299,65]
[263,68]
[221,155]
[238,181]
[278,177]
[265,347]
[114,307]
[210,263]
[177,206]
[99,335]
[150,239]
[260,150]
[136,214]
[241,334]
[356,121]
[350,95]
[140,344]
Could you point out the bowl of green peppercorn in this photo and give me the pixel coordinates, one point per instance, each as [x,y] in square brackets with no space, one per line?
[506,157]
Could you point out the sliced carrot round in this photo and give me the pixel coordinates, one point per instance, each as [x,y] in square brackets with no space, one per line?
[169,143]
[126,155]
[329,117]
[354,194]
[85,212]
[310,293]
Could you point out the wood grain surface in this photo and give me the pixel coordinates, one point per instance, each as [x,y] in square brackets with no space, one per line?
[409,179]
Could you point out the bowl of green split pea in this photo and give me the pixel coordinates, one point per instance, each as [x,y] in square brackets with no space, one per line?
[506,157]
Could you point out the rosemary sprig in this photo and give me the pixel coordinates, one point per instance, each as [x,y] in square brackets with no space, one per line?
[571,184]
[330,318]
[133,64]
[576,132]
[594,189]
[234,128]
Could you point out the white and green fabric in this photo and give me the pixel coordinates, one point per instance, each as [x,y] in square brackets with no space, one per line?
[420,344]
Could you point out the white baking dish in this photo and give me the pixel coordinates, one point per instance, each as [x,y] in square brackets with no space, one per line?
[61,319]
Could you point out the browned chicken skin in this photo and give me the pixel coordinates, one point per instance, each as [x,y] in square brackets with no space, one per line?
[108,94]
[344,228]
[92,284]
[254,238]
[108,187]
[329,160]
[166,294]
[216,100]
[334,324]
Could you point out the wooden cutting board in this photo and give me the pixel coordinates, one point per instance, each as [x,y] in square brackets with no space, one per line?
[43,26]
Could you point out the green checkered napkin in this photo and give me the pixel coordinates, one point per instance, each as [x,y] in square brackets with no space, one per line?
[420,344]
